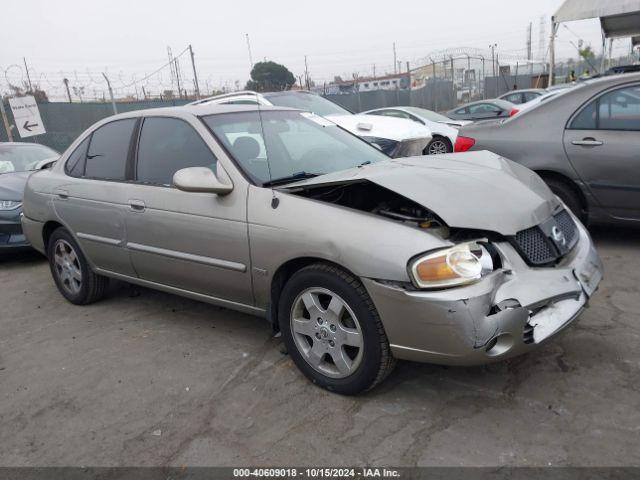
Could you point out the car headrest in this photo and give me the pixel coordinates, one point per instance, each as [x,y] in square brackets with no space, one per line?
[246,148]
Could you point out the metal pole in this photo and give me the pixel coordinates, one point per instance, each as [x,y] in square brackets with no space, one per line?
[552,50]
[395,60]
[5,120]
[175,61]
[249,49]
[66,84]
[195,75]
[306,73]
[28,77]
[113,102]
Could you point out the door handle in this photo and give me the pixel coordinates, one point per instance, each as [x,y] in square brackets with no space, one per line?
[137,205]
[61,193]
[587,142]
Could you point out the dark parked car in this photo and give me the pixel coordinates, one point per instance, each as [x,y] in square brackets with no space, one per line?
[17,162]
[584,142]
[483,110]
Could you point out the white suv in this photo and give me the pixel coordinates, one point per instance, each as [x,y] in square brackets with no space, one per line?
[394,136]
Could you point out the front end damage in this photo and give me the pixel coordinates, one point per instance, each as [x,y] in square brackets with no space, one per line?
[544,266]
[506,314]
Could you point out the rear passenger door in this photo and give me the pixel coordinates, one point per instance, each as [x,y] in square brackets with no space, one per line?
[192,241]
[602,142]
[93,202]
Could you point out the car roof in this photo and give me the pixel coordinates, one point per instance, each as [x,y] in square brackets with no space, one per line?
[198,110]
[523,90]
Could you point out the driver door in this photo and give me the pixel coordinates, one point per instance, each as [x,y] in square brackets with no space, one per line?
[196,242]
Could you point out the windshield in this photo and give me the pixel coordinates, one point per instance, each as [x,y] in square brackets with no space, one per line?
[22,158]
[307,102]
[294,144]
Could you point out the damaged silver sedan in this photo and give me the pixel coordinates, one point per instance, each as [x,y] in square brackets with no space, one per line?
[356,258]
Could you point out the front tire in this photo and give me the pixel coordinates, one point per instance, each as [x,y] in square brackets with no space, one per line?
[568,196]
[71,271]
[438,145]
[332,330]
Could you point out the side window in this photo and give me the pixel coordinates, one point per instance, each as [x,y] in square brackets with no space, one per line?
[483,108]
[620,109]
[462,111]
[109,149]
[514,98]
[394,113]
[528,96]
[75,164]
[167,145]
[586,119]
[242,101]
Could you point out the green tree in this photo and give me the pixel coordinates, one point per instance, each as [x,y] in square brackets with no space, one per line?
[270,77]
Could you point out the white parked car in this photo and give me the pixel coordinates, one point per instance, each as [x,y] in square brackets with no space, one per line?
[443,131]
[394,136]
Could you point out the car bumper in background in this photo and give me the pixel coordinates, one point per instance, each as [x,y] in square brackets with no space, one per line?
[506,314]
[11,234]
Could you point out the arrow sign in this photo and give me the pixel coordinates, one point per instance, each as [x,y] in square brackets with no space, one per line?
[28,126]
[26,116]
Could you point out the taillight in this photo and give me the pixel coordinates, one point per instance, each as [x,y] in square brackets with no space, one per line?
[513,112]
[463,144]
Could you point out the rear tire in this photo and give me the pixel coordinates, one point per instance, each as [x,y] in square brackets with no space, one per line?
[438,145]
[71,271]
[325,313]
[568,195]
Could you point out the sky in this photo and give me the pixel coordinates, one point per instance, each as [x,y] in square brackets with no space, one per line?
[128,40]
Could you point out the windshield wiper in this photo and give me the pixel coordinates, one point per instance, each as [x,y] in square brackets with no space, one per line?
[290,178]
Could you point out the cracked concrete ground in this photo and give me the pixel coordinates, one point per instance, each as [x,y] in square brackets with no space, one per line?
[146,378]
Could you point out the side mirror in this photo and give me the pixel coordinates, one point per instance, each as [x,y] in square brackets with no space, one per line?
[202,179]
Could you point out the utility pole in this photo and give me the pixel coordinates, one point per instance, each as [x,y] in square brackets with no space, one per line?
[409,75]
[5,120]
[552,51]
[195,75]
[66,84]
[113,102]
[28,77]
[144,92]
[493,58]
[249,50]
[306,72]
[171,66]
[175,60]
[529,41]
[374,70]
[395,59]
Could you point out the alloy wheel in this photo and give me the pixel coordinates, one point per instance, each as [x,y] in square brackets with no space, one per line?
[67,266]
[437,147]
[326,332]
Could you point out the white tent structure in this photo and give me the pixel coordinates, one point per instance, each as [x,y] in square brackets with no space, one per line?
[618,18]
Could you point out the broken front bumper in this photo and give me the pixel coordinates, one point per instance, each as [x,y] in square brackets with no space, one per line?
[506,314]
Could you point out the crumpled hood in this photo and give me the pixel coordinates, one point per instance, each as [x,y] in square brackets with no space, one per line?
[398,129]
[12,185]
[475,190]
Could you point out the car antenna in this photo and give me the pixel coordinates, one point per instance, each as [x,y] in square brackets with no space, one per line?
[275,201]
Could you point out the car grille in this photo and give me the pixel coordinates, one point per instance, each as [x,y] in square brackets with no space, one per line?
[543,244]
[10,228]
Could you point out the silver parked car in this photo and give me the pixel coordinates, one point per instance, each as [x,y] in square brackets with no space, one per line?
[584,142]
[358,259]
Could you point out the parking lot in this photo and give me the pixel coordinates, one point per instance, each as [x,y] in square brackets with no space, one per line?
[147,378]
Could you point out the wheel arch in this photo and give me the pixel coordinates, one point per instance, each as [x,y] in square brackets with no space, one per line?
[550,174]
[283,273]
[48,228]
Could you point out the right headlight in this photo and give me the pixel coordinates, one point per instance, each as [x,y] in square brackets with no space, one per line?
[9,204]
[461,264]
